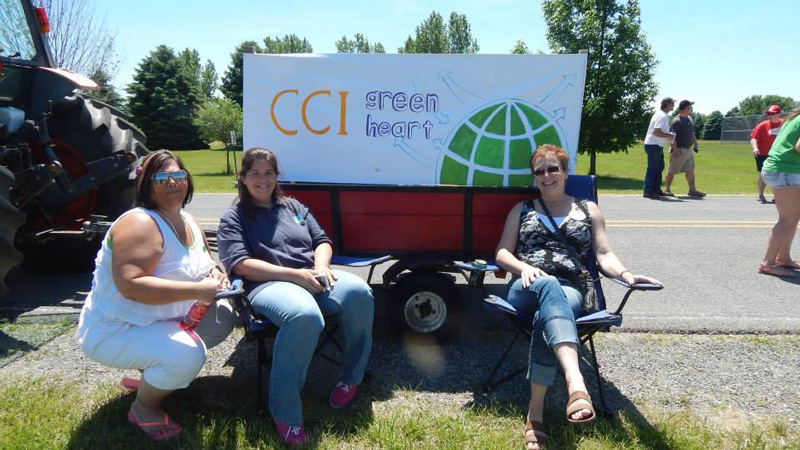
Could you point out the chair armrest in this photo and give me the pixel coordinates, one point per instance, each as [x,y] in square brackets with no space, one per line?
[638,286]
[489,267]
[357,261]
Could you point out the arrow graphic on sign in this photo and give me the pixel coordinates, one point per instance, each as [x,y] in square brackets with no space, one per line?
[414,154]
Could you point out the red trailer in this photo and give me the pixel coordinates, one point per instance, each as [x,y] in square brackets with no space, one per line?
[432,233]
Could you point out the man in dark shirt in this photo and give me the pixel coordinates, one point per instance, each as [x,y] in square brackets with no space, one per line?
[681,157]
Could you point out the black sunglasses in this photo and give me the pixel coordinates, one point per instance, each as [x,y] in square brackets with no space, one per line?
[539,171]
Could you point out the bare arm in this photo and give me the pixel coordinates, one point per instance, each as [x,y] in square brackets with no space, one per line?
[216,272]
[504,255]
[608,261]
[137,250]
[754,144]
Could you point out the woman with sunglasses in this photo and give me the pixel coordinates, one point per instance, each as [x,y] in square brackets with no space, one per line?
[277,246]
[544,245]
[153,266]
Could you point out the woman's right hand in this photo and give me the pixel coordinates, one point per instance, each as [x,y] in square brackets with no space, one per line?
[306,279]
[529,274]
[207,289]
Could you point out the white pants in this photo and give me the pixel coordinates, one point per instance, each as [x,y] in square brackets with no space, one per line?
[170,357]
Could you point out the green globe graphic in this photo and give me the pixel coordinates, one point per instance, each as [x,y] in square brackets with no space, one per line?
[493,147]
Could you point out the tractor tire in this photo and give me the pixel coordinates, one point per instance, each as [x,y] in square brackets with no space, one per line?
[426,304]
[83,130]
[10,220]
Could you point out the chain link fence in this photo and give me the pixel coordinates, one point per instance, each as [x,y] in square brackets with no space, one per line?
[737,129]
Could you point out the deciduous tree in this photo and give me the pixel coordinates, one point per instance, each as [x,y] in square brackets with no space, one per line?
[619,74]
[520,48]
[204,76]
[756,104]
[163,99]
[359,44]
[216,118]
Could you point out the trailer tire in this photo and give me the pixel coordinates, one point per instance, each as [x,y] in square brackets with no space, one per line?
[85,130]
[426,304]
[10,220]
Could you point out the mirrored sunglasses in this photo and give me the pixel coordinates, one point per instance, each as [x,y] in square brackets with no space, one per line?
[539,171]
[162,178]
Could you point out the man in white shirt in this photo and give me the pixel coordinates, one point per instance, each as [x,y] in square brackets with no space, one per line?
[658,136]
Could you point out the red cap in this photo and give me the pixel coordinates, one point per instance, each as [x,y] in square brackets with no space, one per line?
[774,109]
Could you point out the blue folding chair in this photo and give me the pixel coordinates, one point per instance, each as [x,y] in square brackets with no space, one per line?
[258,328]
[579,186]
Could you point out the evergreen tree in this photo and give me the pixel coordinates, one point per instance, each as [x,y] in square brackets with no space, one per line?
[232,80]
[163,100]
[619,73]
[713,127]
[107,93]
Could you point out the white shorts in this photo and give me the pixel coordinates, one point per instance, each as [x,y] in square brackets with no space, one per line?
[170,357]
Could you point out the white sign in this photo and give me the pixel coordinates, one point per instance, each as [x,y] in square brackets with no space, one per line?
[233,138]
[412,119]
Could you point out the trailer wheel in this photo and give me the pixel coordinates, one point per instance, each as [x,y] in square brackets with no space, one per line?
[10,219]
[426,304]
[85,130]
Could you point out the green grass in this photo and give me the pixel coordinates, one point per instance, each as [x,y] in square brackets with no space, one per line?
[218,414]
[20,337]
[720,169]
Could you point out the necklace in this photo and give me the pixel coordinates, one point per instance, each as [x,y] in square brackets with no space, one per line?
[172,227]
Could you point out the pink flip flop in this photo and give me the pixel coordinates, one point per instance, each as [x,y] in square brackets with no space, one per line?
[776,271]
[790,264]
[174,427]
[130,384]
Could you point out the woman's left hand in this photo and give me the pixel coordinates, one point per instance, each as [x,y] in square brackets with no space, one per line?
[640,279]
[326,270]
[218,274]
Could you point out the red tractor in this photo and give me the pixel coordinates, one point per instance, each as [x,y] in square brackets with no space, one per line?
[67,162]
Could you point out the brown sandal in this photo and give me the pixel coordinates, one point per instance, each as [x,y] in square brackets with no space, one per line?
[539,435]
[573,407]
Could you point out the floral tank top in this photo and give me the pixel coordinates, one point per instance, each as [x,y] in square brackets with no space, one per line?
[544,249]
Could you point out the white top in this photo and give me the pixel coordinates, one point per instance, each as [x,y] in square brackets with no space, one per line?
[660,121]
[546,221]
[107,312]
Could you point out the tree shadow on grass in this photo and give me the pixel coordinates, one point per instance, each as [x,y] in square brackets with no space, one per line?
[216,413]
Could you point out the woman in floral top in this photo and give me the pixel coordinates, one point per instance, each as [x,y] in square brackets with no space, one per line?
[546,254]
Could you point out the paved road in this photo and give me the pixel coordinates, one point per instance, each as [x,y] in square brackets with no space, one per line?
[705,251]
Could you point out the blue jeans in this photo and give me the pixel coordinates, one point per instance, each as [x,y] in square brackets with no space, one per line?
[655,168]
[299,314]
[554,308]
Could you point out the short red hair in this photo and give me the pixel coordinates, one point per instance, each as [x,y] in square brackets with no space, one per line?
[550,149]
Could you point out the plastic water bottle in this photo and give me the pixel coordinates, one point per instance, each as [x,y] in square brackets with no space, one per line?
[194,316]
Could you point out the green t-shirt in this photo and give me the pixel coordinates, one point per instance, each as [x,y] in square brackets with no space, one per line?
[782,156]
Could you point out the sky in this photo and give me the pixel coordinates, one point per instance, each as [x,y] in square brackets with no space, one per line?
[712,52]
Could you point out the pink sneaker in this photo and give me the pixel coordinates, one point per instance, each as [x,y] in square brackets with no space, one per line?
[342,395]
[292,436]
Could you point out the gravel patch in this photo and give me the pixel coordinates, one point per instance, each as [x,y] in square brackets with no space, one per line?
[721,378]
